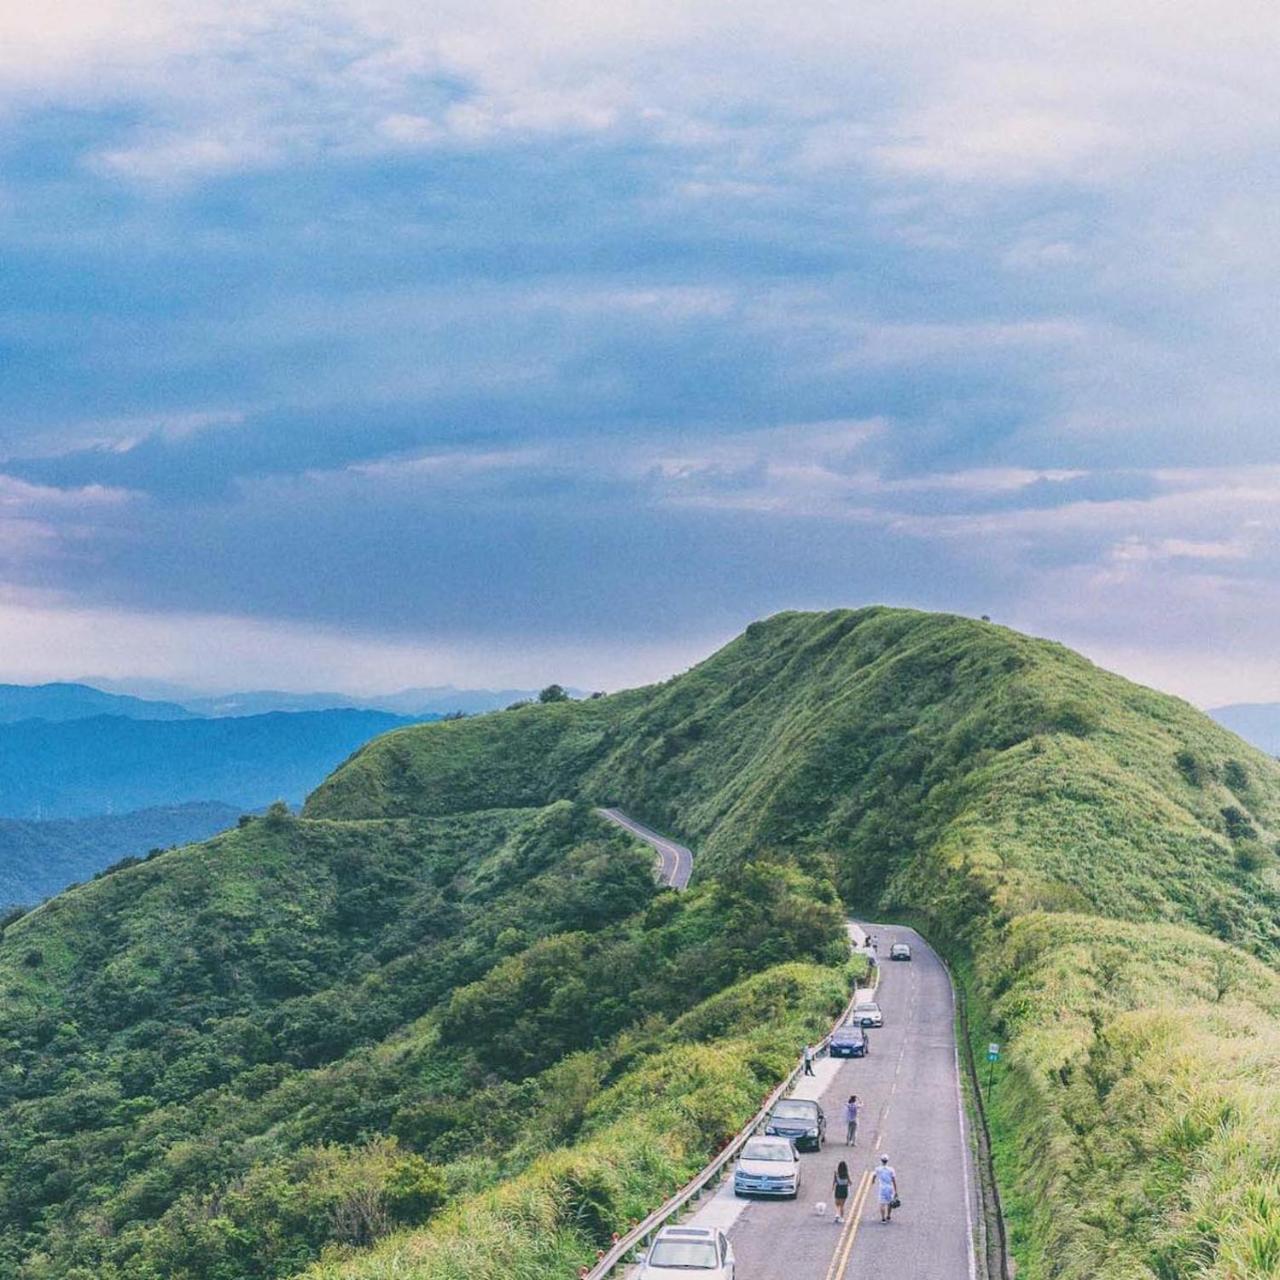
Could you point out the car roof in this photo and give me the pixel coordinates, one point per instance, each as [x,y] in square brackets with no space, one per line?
[688,1233]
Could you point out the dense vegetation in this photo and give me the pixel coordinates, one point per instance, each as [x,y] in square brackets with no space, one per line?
[309,1031]
[447,1015]
[40,858]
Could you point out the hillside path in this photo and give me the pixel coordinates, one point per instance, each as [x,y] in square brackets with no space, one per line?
[912,1109]
[675,861]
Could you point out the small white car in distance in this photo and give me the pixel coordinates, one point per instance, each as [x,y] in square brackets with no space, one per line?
[768,1167]
[899,951]
[700,1253]
[866,1013]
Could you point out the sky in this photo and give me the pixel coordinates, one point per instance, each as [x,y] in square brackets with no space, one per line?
[368,343]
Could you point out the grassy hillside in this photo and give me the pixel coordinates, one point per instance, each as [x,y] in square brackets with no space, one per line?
[308,1032]
[975,780]
[444,1024]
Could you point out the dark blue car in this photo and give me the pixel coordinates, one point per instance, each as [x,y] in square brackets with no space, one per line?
[849,1041]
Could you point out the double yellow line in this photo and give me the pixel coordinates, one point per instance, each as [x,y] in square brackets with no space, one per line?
[844,1246]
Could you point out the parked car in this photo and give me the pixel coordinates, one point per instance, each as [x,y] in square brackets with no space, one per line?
[899,951]
[704,1252]
[768,1167]
[866,1013]
[799,1119]
[849,1041]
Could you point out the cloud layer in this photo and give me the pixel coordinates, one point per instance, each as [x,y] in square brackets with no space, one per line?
[479,329]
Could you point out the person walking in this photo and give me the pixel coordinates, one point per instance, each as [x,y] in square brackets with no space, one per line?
[851,1109]
[840,1189]
[887,1185]
[808,1059]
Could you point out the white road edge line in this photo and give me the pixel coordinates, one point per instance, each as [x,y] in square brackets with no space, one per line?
[964,1132]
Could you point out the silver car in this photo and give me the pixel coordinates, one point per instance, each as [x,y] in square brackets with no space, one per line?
[866,1013]
[768,1167]
[703,1253]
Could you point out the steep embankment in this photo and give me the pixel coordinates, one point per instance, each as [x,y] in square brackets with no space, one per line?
[1001,790]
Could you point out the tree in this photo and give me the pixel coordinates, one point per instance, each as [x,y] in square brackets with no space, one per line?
[553,693]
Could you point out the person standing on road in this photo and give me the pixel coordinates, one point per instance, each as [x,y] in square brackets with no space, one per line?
[851,1109]
[808,1059]
[840,1189]
[887,1185]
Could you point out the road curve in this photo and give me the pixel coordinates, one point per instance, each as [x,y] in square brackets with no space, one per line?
[912,1110]
[675,861]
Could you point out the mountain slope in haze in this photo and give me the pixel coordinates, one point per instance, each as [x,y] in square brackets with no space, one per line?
[41,858]
[443,1024]
[83,768]
[1255,722]
[58,702]
[431,702]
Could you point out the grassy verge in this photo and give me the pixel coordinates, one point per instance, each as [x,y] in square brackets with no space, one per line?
[672,1105]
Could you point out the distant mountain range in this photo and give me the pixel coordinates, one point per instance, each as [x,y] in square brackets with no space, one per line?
[60,702]
[430,700]
[41,858]
[107,764]
[1256,722]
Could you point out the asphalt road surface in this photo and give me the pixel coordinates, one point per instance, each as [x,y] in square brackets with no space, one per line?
[910,1088]
[675,861]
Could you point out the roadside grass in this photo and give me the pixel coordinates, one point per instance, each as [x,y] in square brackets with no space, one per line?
[646,1134]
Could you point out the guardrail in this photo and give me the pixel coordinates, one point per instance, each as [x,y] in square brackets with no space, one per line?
[620,1253]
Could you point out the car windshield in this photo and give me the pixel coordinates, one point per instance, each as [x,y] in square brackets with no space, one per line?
[766,1149]
[795,1110]
[848,1033]
[869,1007]
[695,1255]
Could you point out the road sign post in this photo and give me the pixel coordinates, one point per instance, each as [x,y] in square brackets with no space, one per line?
[993,1056]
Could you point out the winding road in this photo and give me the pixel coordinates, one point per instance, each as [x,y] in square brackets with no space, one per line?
[675,861]
[912,1110]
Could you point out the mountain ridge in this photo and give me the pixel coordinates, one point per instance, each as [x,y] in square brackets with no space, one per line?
[448,975]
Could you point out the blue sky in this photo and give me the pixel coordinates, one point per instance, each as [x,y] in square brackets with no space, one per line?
[377,344]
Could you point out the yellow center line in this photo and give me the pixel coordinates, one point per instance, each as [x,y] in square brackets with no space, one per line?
[844,1245]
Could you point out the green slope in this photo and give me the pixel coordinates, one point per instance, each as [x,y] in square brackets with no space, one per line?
[444,1024]
[976,780]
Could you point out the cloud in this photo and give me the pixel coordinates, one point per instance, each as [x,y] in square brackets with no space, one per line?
[583,309]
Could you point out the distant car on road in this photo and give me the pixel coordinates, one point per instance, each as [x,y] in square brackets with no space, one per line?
[703,1252]
[849,1041]
[899,951]
[799,1119]
[768,1167]
[866,1013]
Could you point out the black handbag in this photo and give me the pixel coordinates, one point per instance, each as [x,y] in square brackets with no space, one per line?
[895,1203]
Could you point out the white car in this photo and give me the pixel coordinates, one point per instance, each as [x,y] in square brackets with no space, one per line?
[866,1013]
[899,951]
[768,1167]
[702,1253]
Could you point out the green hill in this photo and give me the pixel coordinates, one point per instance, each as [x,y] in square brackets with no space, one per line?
[443,1024]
